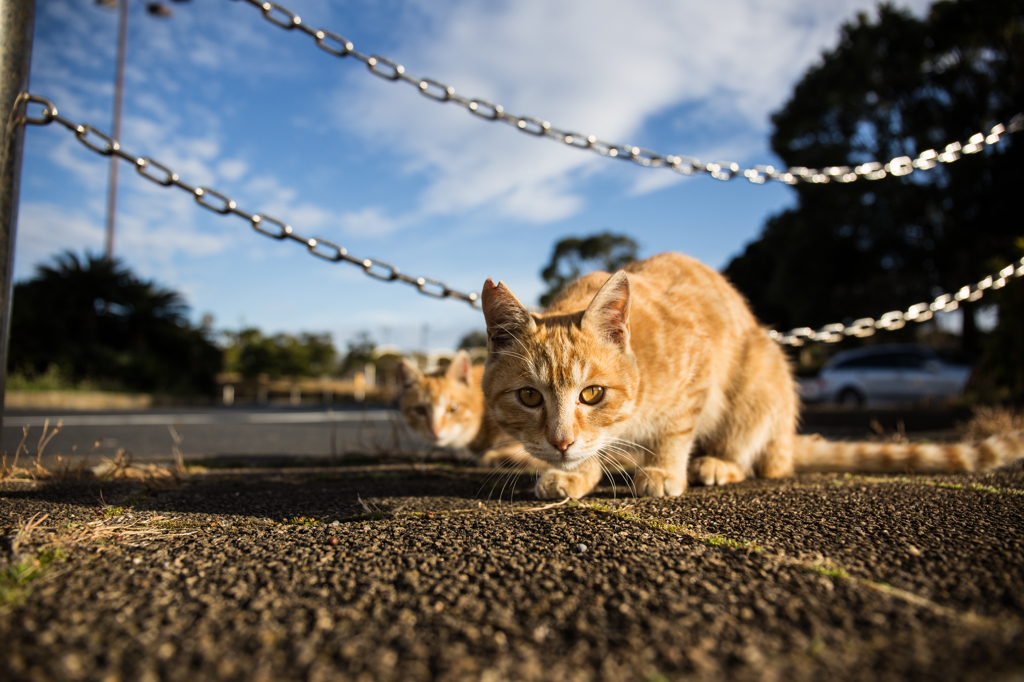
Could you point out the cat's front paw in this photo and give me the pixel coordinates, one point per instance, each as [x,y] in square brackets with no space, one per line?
[714,471]
[654,482]
[555,484]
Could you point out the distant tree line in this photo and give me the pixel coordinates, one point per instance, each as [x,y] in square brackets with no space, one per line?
[87,321]
[250,353]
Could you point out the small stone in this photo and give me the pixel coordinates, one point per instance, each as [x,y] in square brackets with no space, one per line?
[333,541]
[581,548]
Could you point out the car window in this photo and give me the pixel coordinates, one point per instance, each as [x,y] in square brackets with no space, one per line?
[912,360]
[887,360]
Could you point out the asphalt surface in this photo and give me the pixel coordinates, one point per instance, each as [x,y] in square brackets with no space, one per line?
[149,435]
[274,432]
[418,572]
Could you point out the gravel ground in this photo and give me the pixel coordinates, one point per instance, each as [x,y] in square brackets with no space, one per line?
[417,572]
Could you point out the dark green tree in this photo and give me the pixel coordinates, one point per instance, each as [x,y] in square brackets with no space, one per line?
[360,352]
[474,339]
[251,353]
[574,257]
[894,86]
[96,321]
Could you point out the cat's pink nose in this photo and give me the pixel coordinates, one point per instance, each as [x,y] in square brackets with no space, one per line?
[562,444]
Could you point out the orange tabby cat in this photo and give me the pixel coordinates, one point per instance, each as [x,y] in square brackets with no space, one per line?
[666,357]
[446,407]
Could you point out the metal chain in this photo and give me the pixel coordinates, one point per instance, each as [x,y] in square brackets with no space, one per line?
[897,319]
[212,200]
[686,165]
[217,202]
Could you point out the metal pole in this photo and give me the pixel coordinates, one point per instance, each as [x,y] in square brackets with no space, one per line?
[122,43]
[17,18]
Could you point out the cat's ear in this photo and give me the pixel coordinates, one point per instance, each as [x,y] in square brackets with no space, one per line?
[461,368]
[408,373]
[506,317]
[607,316]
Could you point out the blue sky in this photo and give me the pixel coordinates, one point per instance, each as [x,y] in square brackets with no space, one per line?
[233,103]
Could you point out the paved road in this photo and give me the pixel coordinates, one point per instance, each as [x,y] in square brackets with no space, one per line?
[214,432]
[417,573]
[290,432]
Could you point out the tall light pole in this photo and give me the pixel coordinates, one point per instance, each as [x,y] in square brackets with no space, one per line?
[156,9]
[122,44]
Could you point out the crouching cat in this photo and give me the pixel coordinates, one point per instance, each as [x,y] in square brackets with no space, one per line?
[446,407]
[665,357]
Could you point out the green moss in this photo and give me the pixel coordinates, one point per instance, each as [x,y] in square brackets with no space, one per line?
[828,571]
[718,541]
[15,579]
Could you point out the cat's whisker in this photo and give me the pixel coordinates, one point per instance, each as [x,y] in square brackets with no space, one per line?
[519,470]
[601,459]
[500,472]
[629,479]
[631,443]
[499,445]
[528,361]
[638,467]
[618,465]
[512,354]
[508,478]
[514,337]
[493,477]
[506,475]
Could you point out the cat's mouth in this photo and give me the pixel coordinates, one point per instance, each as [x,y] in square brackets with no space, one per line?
[565,461]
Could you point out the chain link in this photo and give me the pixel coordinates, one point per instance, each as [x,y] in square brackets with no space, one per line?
[685,165]
[897,319]
[322,248]
[224,205]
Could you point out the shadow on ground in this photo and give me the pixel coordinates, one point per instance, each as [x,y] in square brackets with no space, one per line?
[420,571]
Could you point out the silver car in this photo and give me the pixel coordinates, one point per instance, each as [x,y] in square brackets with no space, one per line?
[887,373]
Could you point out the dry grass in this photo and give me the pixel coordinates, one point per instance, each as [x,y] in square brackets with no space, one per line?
[100,535]
[992,421]
[883,435]
[37,550]
[34,469]
[25,466]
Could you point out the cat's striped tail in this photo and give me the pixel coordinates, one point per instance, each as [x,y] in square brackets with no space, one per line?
[814,453]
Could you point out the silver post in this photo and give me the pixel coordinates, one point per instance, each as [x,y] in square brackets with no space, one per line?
[17,18]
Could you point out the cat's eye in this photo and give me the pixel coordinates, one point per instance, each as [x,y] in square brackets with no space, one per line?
[592,395]
[423,409]
[530,397]
[453,407]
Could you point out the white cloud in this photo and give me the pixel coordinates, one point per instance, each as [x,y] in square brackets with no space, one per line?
[370,222]
[232,169]
[45,229]
[602,66]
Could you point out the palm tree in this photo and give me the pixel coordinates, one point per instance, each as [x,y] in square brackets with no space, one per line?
[95,320]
